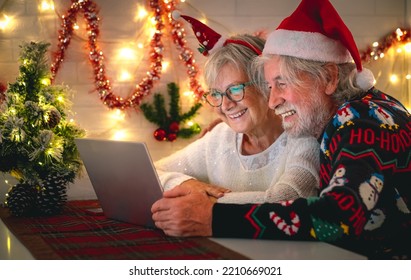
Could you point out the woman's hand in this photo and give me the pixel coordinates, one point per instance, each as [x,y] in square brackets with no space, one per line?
[213,191]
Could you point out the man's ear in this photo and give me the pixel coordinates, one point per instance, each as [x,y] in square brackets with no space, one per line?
[332,78]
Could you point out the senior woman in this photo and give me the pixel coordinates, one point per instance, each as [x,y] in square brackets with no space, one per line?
[247,158]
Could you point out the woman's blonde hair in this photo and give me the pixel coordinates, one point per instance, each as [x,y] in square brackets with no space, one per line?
[238,56]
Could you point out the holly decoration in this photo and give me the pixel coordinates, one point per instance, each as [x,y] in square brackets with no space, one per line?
[170,123]
[36,138]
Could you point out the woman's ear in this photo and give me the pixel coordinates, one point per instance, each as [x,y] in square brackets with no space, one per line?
[332,78]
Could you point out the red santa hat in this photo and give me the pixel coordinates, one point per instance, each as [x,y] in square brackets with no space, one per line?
[209,39]
[315,31]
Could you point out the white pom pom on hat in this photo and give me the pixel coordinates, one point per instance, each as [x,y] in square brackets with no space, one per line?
[315,31]
[175,14]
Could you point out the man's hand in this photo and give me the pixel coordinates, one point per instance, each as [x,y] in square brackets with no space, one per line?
[182,212]
[209,127]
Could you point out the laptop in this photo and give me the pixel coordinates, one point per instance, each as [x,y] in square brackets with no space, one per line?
[123,177]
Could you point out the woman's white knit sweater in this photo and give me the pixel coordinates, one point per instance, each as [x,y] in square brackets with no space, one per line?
[288,169]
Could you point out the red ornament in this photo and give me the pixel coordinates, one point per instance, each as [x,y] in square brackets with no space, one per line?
[160,134]
[174,127]
[3,89]
[171,137]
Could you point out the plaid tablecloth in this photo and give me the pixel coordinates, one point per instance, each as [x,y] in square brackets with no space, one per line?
[80,234]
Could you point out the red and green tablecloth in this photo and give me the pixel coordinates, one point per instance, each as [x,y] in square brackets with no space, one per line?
[80,234]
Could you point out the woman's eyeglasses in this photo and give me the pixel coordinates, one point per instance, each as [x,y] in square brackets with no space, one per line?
[235,93]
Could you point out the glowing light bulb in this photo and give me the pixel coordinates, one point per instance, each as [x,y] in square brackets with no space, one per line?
[125,76]
[119,135]
[117,115]
[375,44]
[126,53]
[408,76]
[60,98]
[141,12]
[407,47]
[393,78]
[165,65]
[5,22]
[47,5]
[46,81]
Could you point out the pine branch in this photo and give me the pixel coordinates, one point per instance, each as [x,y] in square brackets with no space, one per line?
[191,113]
[173,91]
[161,112]
[148,112]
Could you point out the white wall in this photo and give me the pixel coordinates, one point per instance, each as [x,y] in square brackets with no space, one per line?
[369,20]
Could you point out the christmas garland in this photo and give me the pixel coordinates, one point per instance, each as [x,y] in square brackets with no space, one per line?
[96,57]
[376,51]
[170,123]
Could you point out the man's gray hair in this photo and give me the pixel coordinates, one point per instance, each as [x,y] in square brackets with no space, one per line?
[292,67]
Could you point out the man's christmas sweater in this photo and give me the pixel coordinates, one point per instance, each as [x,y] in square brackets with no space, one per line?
[365,191]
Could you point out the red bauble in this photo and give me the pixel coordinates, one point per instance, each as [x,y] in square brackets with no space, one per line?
[160,134]
[171,137]
[3,88]
[174,127]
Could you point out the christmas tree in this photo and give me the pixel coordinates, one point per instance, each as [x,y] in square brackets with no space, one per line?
[170,123]
[36,139]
